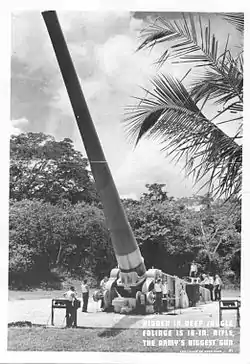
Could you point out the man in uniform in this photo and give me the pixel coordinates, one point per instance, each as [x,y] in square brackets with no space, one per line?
[165,293]
[193,269]
[217,287]
[211,286]
[103,288]
[71,307]
[85,295]
[158,295]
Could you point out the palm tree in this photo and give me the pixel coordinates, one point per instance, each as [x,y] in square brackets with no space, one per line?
[173,112]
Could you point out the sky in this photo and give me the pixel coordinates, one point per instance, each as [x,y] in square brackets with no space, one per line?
[103,48]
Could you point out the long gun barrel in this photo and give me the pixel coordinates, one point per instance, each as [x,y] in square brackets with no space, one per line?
[127,252]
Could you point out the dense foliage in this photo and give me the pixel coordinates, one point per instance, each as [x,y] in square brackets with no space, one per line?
[49,229]
[44,236]
[42,168]
[173,232]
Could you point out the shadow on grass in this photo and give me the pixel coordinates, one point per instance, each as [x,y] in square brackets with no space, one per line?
[125,322]
[24,324]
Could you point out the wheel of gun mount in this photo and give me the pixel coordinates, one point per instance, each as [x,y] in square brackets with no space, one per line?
[143,299]
[150,298]
[138,298]
[107,298]
[140,303]
[97,295]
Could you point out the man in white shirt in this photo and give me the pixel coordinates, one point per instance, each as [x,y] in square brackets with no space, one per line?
[217,287]
[205,280]
[193,269]
[103,288]
[103,283]
[206,283]
[211,286]
[85,295]
[165,293]
[71,308]
[158,295]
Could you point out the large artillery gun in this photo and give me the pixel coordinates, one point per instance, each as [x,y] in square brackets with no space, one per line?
[130,286]
[140,297]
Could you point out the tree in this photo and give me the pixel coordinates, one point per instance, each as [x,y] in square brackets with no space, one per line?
[173,232]
[219,236]
[43,168]
[33,236]
[162,231]
[173,112]
[43,237]
[88,243]
[156,191]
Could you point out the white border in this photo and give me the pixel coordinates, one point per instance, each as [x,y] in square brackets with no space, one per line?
[156,5]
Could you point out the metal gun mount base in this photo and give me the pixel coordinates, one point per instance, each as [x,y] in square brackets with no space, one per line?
[123,298]
[139,297]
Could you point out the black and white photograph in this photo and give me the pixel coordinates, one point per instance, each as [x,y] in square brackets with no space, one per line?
[125,181]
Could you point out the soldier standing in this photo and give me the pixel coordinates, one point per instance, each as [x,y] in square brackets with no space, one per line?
[158,295]
[85,295]
[217,287]
[193,269]
[103,288]
[71,307]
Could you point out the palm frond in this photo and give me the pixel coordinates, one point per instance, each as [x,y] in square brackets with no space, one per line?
[211,84]
[192,42]
[171,116]
[225,87]
[237,19]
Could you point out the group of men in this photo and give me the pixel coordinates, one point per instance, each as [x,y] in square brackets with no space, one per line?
[163,296]
[161,291]
[73,303]
[212,283]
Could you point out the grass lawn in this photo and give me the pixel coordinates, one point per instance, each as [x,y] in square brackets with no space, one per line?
[114,340]
[38,294]
[230,293]
[33,295]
